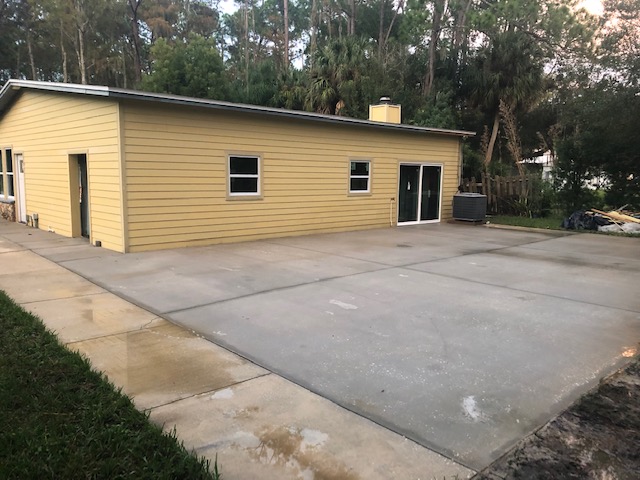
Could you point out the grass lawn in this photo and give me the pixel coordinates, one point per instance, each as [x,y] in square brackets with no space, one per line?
[551,222]
[61,419]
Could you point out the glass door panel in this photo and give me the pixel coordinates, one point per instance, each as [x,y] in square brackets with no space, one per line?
[408,193]
[430,201]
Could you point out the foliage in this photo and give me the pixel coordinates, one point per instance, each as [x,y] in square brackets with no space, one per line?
[438,113]
[600,142]
[192,68]
[340,79]
[558,71]
[597,135]
[61,419]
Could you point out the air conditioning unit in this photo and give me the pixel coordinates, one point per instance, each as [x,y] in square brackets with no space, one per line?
[471,207]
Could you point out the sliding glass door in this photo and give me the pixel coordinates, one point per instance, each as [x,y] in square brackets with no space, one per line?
[419,189]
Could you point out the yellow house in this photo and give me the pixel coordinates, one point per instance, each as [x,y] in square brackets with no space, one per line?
[135,171]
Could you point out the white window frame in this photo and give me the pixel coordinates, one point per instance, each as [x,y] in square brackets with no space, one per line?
[230,175]
[367,176]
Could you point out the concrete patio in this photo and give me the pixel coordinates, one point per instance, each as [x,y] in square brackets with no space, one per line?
[413,352]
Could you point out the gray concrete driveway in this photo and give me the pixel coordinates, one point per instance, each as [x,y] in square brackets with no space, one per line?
[462,338]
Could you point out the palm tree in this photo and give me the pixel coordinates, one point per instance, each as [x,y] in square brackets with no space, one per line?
[508,70]
[339,77]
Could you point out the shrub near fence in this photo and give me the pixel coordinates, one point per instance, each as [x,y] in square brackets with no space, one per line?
[505,195]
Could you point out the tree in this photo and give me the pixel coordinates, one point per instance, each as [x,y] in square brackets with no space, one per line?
[193,68]
[339,82]
[508,70]
[598,102]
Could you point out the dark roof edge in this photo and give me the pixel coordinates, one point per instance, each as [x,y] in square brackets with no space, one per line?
[12,87]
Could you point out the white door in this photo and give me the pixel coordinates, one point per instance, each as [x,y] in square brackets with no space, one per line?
[21,197]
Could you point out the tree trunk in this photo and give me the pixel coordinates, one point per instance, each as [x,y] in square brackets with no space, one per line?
[492,141]
[393,19]
[81,27]
[461,23]
[187,18]
[246,44]
[351,27]
[124,70]
[32,62]
[65,71]
[314,31]
[329,15]
[460,39]
[383,4]
[438,12]
[286,34]
[134,5]
[81,60]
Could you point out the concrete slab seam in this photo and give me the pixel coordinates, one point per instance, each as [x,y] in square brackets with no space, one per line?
[14,251]
[402,265]
[115,334]
[506,287]
[556,233]
[206,392]
[272,290]
[326,253]
[64,298]
[104,286]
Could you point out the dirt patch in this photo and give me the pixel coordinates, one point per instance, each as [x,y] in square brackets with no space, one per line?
[597,438]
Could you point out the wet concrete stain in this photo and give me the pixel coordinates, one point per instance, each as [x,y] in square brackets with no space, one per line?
[566,260]
[163,363]
[151,368]
[300,449]
[248,412]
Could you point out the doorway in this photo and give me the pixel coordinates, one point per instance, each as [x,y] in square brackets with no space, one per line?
[79,193]
[21,198]
[419,191]
[83,185]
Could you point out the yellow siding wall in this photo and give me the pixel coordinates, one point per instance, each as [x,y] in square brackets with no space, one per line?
[176,175]
[47,128]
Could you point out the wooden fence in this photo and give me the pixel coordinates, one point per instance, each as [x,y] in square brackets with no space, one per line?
[502,192]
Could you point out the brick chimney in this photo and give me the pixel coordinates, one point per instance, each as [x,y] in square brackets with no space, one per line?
[385,111]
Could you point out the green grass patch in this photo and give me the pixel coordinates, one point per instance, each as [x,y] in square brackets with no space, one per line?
[61,419]
[551,222]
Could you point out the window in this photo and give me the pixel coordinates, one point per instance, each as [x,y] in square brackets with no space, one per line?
[8,168]
[244,176]
[359,176]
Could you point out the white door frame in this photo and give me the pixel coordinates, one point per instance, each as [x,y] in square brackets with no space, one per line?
[419,209]
[21,197]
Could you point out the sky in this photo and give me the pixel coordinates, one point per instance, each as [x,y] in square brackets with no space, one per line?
[227,6]
[592,6]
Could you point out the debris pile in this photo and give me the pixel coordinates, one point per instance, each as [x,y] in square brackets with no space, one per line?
[620,221]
